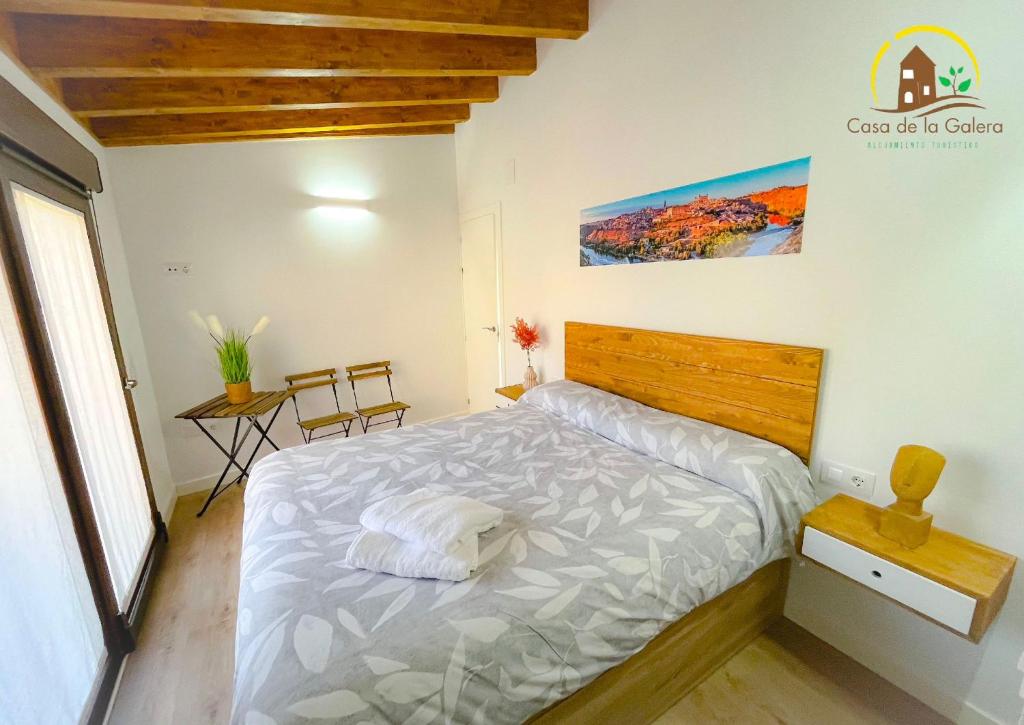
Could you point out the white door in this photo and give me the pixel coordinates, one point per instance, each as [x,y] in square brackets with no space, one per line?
[481,297]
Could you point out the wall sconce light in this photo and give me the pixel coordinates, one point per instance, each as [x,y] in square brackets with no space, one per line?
[340,209]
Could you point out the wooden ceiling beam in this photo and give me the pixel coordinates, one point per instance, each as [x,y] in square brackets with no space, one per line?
[9,46]
[92,97]
[8,39]
[356,133]
[524,18]
[75,47]
[211,125]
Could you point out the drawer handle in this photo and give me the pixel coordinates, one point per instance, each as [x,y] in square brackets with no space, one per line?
[875,573]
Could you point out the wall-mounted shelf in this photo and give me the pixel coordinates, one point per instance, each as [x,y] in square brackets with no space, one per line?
[955,582]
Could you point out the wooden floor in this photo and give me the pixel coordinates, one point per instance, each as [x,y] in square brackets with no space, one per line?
[184,664]
[182,670]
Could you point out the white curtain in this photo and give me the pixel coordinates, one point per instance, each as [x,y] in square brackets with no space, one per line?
[65,278]
[51,642]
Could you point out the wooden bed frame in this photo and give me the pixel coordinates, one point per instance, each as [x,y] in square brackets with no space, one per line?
[765,389]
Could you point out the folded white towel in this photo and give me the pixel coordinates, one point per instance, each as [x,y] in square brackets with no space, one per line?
[377,551]
[436,521]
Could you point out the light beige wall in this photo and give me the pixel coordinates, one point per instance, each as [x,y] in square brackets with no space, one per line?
[120,290]
[910,276]
[339,291]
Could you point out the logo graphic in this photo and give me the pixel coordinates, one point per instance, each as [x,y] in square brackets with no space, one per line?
[917,87]
[938,74]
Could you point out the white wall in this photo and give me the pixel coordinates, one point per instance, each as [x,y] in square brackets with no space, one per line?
[382,285]
[910,274]
[120,291]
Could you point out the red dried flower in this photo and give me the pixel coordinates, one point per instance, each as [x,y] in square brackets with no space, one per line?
[526,336]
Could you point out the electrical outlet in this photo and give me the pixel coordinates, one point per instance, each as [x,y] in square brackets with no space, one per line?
[176,268]
[854,480]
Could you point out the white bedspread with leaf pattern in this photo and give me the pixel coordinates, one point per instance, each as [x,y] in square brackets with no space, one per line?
[619,520]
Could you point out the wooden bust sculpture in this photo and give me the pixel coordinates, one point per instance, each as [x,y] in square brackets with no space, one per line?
[915,471]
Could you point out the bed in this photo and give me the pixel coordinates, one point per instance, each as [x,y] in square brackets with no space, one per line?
[639,549]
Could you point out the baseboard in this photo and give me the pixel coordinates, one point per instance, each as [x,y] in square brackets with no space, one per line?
[205,483]
[971,715]
[114,691]
[96,712]
[823,612]
[438,419]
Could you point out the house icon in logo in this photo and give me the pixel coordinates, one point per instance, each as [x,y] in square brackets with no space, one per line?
[923,89]
[917,80]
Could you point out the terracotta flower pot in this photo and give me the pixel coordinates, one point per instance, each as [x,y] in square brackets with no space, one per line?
[530,379]
[239,393]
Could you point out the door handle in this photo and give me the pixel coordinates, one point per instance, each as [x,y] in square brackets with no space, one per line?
[130,383]
[492,329]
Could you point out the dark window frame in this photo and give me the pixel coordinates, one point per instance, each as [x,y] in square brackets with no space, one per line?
[35,171]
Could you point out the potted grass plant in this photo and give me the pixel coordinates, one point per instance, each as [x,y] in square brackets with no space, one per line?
[232,354]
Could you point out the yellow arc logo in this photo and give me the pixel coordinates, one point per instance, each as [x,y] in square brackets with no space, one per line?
[913,29]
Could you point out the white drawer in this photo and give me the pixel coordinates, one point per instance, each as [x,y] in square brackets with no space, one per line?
[945,605]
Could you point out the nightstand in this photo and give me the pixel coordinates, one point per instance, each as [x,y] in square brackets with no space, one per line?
[955,582]
[512,392]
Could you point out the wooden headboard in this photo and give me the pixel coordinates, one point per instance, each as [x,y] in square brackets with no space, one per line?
[764,389]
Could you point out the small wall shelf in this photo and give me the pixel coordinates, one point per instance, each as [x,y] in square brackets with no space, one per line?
[955,582]
[512,392]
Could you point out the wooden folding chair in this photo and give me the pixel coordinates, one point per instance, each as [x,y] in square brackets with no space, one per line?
[376,370]
[318,379]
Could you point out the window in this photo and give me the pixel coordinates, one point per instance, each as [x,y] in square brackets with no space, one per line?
[908,97]
[927,90]
[908,73]
[77,525]
[64,276]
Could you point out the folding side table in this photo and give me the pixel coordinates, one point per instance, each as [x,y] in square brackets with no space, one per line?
[219,408]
